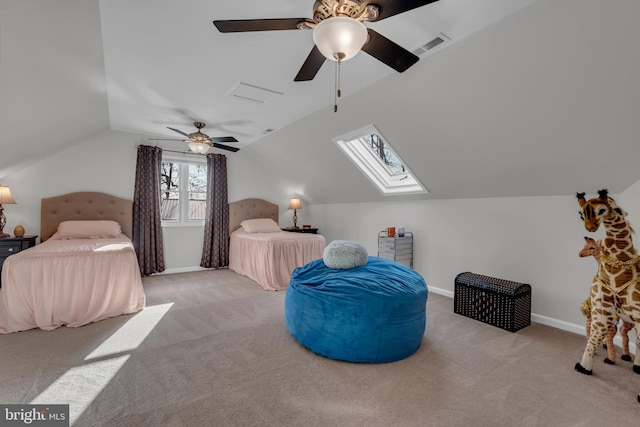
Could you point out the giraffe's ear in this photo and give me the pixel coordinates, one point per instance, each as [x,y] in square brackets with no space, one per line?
[615,207]
[621,211]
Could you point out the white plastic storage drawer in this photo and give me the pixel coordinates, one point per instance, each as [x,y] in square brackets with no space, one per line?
[397,248]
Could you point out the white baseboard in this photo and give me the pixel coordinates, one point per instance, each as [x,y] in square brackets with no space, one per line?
[442,292]
[182,270]
[555,323]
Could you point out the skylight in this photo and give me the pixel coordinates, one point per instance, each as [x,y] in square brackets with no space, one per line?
[373,155]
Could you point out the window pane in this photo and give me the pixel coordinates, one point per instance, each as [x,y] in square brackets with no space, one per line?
[197,191]
[169,208]
[170,197]
[198,179]
[196,209]
[170,176]
[380,149]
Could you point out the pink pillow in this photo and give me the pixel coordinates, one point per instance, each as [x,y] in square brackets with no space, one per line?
[87,229]
[260,225]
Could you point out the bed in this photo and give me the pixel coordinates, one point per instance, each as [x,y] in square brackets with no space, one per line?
[85,269]
[261,251]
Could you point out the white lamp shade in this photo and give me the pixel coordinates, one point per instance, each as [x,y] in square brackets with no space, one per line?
[339,34]
[295,204]
[199,147]
[5,195]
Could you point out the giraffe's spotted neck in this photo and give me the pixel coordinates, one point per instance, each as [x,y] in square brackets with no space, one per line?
[619,266]
[618,241]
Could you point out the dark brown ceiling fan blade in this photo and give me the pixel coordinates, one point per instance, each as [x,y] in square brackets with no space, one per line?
[242,25]
[178,131]
[311,65]
[226,147]
[389,8]
[223,139]
[392,54]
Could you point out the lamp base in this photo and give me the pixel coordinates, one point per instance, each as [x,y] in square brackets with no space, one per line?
[3,235]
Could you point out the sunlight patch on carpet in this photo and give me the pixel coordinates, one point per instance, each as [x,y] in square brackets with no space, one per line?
[131,334]
[80,385]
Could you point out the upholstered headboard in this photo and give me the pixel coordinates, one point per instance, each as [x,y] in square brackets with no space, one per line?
[250,209]
[84,205]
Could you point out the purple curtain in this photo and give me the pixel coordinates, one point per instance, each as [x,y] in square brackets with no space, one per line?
[147,229]
[215,251]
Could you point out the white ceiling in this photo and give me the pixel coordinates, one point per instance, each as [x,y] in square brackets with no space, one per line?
[167,65]
[528,97]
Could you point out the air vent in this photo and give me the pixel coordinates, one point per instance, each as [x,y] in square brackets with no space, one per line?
[430,45]
[252,93]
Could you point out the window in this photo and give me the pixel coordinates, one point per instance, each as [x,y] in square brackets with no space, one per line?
[373,155]
[183,191]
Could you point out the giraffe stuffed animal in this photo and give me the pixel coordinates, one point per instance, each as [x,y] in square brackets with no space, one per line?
[593,248]
[615,288]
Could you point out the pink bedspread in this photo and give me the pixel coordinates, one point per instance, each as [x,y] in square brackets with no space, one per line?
[69,282]
[270,258]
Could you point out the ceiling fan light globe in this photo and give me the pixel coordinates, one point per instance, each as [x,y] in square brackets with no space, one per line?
[198,147]
[338,36]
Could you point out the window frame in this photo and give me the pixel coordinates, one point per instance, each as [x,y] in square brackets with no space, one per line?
[372,166]
[183,190]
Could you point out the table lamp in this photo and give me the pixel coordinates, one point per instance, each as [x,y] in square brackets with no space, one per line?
[5,198]
[295,205]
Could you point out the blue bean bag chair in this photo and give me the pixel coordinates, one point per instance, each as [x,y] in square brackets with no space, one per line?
[374,313]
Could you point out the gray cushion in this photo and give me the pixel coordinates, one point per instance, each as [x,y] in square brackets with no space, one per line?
[342,254]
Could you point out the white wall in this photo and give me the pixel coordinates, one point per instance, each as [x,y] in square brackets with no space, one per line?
[629,200]
[531,240]
[103,163]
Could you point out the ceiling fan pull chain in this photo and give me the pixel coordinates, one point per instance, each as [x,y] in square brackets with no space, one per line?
[336,88]
[339,91]
[337,94]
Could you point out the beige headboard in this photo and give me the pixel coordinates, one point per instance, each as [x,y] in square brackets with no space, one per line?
[81,206]
[250,209]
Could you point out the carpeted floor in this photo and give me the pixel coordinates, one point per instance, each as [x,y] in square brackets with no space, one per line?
[211,349]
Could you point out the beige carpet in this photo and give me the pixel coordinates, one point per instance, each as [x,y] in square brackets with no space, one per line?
[211,349]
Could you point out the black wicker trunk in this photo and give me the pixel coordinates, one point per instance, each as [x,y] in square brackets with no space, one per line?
[498,302]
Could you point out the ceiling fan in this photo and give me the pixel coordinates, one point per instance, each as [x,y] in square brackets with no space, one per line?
[200,142]
[330,17]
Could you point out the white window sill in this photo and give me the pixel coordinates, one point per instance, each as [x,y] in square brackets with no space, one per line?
[182,224]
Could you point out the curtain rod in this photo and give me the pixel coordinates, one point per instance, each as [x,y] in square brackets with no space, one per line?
[183,152]
[173,151]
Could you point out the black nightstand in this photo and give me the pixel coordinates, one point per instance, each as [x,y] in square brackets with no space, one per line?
[302,230]
[13,245]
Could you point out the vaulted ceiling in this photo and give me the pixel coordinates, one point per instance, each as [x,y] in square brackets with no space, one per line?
[523,98]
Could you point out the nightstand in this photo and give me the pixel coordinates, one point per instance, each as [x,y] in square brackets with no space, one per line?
[13,245]
[302,230]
